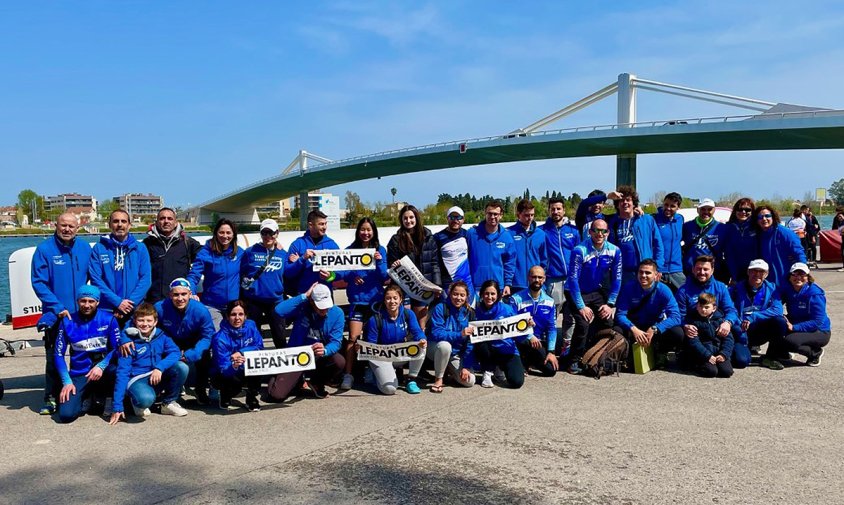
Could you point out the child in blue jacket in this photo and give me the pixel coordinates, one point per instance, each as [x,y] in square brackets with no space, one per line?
[710,353]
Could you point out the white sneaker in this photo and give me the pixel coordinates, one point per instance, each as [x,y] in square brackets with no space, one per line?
[173,409]
[142,413]
[108,409]
[499,376]
[487,382]
[213,394]
[348,381]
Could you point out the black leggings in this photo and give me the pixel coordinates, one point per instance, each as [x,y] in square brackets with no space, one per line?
[264,312]
[583,329]
[510,364]
[230,387]
[806,343]
[535,358]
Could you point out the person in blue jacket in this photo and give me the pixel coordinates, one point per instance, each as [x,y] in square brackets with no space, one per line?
[152,369]
[740,243]
[702,281]
[561,237]
[759,308]
[778,246]
[703,237]
[317,323]
[237,335]
[807,325]
[219,263]
[498,354]
[394,324]
[592,289]
[538,350]
[120,268]
[59,267]
[299,273]
[364,288]
[189,324]
[636,236]
[492,253]
[91,336]
[262,280]
[529,242]
[709,351]
[670,225]
[647,310]
[451,349]
[590,209]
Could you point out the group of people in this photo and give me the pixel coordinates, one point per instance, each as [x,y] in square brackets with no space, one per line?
[139,331]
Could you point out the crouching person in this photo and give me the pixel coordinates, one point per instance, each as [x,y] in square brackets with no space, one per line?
[538,351]
[91,336]
[450,347]
[152,369]
[237,335]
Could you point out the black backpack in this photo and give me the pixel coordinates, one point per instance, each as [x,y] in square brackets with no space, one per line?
[608,356]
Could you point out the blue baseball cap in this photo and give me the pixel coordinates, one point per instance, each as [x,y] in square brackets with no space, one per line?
[89,291]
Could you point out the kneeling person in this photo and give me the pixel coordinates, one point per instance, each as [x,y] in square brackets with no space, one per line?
[237,335]
[538,351]
[150,370]
[91,335]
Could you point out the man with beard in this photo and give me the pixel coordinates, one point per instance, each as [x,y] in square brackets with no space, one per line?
[171,253]
[561,236]
[538,351]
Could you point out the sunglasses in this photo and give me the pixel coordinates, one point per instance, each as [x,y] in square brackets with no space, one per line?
[455,218]
[600,231]
[745,209]
[265,233]
[765,216]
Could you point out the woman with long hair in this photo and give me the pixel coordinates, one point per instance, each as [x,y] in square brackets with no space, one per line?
[778,245]
[450,348]
[740,244]
[219,261]
[502,354]
[237,335]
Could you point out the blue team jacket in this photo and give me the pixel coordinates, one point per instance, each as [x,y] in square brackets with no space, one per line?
[91,343]
[222,275]
[688,293]
[131,282]
[269,287]
[781,248]
[160,353]
[671,232]
[309,328]
[230,340]
[491,255]
[394,331]
[659,310]
[591,270]
[582,217]
[530,250]
[710,243]
[57,273]
[807,308]
[647,240]
[450,329]
[191,330]
[544,314]
[559,243]
[301,272]
[740,247]
[372,289]
[754,306]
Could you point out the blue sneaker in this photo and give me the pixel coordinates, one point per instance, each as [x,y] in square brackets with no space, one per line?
[412,388]
[575,368]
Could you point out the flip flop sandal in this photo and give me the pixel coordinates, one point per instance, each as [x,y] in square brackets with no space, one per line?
[436,389]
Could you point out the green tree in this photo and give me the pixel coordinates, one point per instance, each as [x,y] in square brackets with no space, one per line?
[31,204]
[836,192]
[106,207]
[355,209]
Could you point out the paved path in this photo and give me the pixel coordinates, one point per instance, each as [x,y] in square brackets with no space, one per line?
[760,437]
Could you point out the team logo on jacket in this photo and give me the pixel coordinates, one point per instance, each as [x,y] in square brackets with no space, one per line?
[105,259]
[58,260]
[500,245]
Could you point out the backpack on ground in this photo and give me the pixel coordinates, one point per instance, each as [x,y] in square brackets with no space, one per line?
[607,356]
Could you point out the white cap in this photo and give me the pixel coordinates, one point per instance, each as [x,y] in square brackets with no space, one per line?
[455,210]
[706,202]
[321,297]
[758,265]
[799,266]
[269,224]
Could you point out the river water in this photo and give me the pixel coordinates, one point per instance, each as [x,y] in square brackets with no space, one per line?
[8,245]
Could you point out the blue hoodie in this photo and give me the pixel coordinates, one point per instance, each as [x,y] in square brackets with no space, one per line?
[694,244]
[57,273]
[583,217]
[191,330]
[222,275]
[450,329]
[91,342]
[659,310]
[121,270]
[591,270]
[754,306]
[491,255]
[500,310]
[269,287]
[309,328]
[740,248]
[301,272]
[688,293]
[230,340]
[807,308]
[671,232]
[644,240]
[559,243]
[781,248]
[394,331]
[544,314]
[530,251]
[158,353]
[372,289]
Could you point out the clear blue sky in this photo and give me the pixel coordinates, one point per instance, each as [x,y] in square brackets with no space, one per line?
[192,99]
